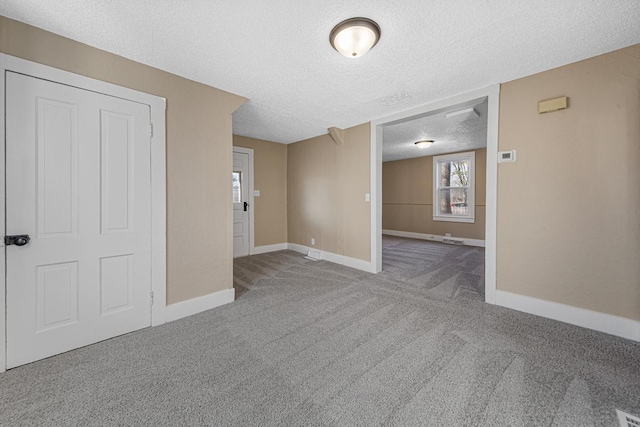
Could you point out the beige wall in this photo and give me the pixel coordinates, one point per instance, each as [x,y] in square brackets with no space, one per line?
[199,150]
[569,208]
[327,183]
[270,177]
[407,198]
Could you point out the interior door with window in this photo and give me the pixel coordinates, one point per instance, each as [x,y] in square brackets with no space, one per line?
[241,206]
[78,206]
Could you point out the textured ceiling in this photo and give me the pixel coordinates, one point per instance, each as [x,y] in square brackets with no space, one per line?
[456,133]
[277,52]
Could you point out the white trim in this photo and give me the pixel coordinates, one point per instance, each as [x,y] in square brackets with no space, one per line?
[193,306]
[270,248]
[607,323]
[492,93]
[158,175]
[158,213]
[376,194]
[249,151]
[491,197]
[433,237]
[453,218]
[335,258]
[3,282]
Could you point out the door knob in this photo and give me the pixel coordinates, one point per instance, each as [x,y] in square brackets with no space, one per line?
[245,206]
[18,240]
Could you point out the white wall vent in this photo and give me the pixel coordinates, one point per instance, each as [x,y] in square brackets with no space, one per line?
[627,420]
[314,255]
[453,241]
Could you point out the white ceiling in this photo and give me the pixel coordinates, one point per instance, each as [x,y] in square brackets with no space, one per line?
[453,134]
[277,52]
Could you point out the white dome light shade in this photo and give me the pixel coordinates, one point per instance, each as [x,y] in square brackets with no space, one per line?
[424,144]
[355,37]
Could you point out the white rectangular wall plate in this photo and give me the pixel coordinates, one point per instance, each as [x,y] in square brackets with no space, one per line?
[256,193]
[507,156]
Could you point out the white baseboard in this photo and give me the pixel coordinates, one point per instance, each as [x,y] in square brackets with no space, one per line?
[607,323]
[432,237]
[614,325]
[270,248]
[197,305]
[335,258]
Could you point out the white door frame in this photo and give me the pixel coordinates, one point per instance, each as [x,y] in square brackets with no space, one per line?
[249,151]
[492,93]
[158,177]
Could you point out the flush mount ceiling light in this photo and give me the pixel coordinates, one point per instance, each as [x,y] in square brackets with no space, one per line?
[425,143]
[355,37]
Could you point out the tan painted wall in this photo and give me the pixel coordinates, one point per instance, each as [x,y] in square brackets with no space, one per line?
[407,198]
[569,208]
[326,188]
[270,177]
[199,152]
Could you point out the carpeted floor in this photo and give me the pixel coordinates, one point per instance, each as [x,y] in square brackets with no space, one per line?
[313,344]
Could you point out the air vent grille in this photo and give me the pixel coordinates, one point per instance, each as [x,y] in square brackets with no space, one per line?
[451,241]
[628,420]
[314,255]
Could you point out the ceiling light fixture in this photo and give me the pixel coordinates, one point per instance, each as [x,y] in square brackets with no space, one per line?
[425,143]
[355,36]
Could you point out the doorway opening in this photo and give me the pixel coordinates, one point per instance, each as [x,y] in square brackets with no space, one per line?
[433,200]
[447,206]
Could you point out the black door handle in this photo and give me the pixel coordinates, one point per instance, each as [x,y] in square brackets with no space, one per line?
[18,240]
[245,206]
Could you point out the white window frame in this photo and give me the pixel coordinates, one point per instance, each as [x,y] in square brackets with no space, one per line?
[471,195]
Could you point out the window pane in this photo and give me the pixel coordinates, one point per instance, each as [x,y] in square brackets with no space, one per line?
[454,173]
[454,201]
[237,188]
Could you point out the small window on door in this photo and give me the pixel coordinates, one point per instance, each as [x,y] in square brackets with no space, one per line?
[236,178]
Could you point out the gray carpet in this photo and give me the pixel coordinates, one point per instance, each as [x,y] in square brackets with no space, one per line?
[316,344]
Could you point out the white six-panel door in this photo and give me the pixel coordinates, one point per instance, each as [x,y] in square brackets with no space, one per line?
[241,206]
[78,183]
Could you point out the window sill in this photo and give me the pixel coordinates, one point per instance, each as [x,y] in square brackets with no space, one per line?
[454,219]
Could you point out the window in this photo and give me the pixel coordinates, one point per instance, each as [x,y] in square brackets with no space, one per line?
[454,187]
[237,187]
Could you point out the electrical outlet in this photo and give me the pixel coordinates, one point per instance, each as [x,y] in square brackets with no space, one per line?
[447,235]
[313,241]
